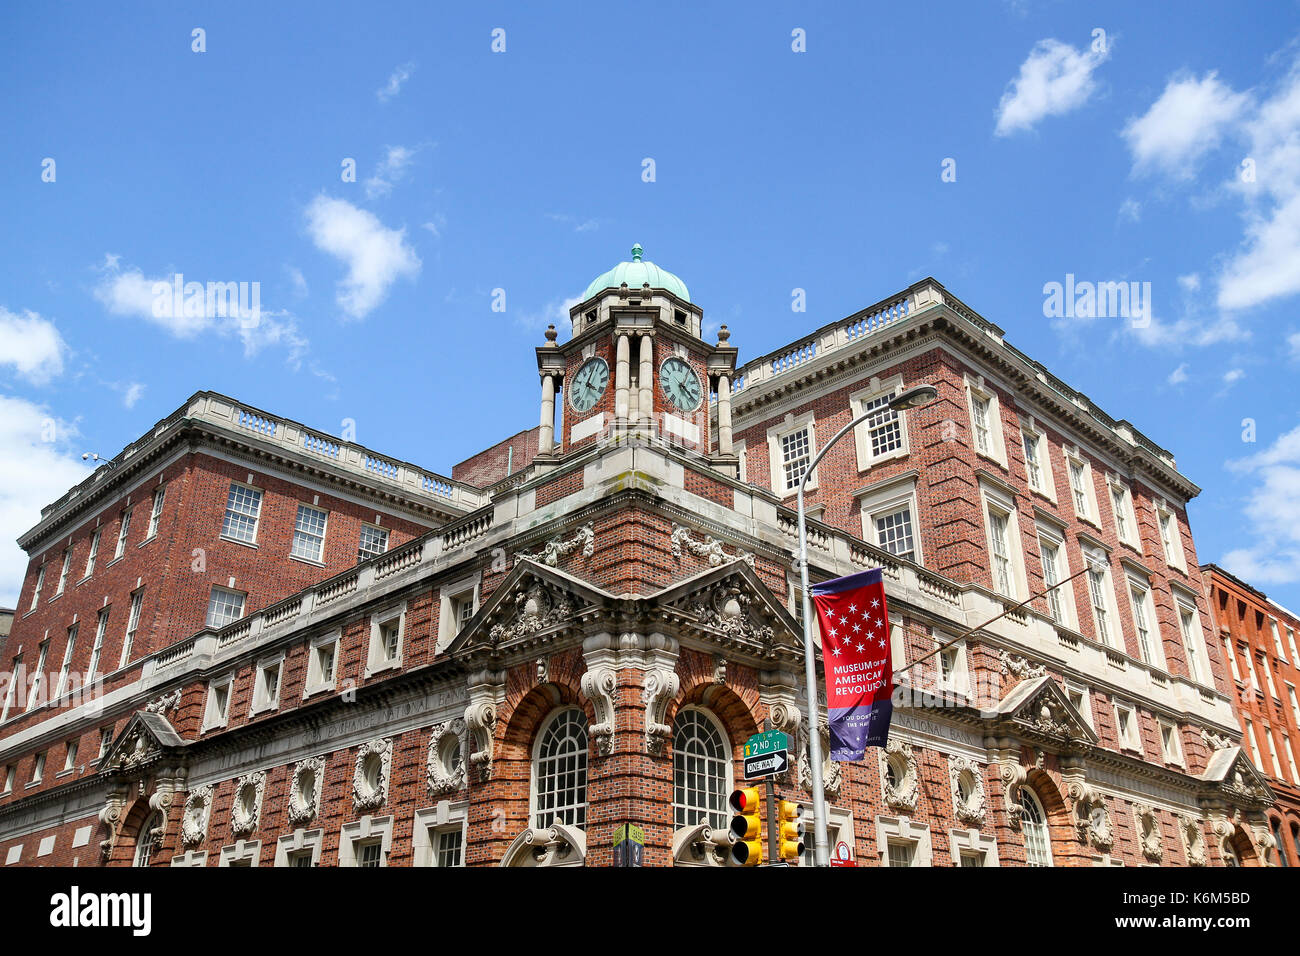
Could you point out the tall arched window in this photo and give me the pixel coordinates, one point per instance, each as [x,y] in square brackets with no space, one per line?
[144,842]
[561,770]
[701,765]
[1033,823]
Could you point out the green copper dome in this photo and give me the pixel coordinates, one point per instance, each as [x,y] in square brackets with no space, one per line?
[636,273]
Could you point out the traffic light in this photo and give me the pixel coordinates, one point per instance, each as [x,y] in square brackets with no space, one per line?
[746,826]
[790,829]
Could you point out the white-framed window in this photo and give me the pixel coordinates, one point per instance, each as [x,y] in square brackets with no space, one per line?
[1290,757]
[889,516]
[1002,530]
[1277,639]
[1295,652]
[1056,568]
[367,842]
[740,451]
[217,711]
[1254,743]
[1290,693]
[1189,622]
[1121,504]
[146,844]
[791,447]
[266,684]
[903,842]
[105,741]
[1127,728]
[986,421]
[97,651]
[1272,752]
[70,755]
[1080,699]
[132,625]
[1033,824]
[10,773]
[11,690]
[38,677]
[309,534]
[1144,623]
[970,848]
[883,436]
[1038,462]
[63,574]
[387,635]
[245,853]
[458,603]
[68,650]
[243,509]
[38,771]
[373,542]
[1250,664]
[159,495]
[93,553]
[702,774]
[123,530]
[40,583]
[1101,595]
[951,669]
[322,663]
[1171,746]
[1171,537]
[560,770]
[1083,493]
[225,606]
[438,837]
[302,848]
[1231,657]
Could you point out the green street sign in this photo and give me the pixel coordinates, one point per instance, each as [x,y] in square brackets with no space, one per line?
[766,742]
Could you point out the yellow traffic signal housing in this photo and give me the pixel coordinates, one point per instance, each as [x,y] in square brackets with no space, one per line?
[746,826]
[790,829]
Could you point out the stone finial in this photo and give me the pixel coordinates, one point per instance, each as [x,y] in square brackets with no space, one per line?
[636,252]
[551,335]
[723,334]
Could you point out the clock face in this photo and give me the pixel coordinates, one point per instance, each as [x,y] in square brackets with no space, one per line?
[680,384]
[588,385]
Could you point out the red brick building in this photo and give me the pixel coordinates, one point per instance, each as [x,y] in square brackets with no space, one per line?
[1258,637]
[581,630]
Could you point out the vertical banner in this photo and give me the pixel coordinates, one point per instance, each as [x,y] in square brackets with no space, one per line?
[859,671]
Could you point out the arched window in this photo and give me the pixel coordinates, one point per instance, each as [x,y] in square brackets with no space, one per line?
[1280,850]
[561,770]
[144,842]
[1033,822]
[701,771]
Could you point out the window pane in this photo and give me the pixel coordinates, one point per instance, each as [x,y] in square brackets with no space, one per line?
[242,508]
[309,534]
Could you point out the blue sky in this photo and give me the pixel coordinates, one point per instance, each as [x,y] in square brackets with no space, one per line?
[522,170]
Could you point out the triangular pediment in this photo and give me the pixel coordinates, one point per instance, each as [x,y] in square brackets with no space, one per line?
[733,604]
[1231,771]
[533,601]
[1040,708]
[145,738]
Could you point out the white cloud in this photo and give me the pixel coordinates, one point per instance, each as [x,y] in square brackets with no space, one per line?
[38,466]
[390,171]
[1190,282]
[1178,375]
[130,292]
[1187,121]
[132,393]
[395,81]
[1272,513]
[1293,343]
[375,255]
[555,312]
[298,279]
[1232,376]
[1131,210]
[32,345]
[1055,79]
[435,225]
[1157,333]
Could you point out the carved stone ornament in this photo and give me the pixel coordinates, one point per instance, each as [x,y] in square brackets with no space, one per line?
[1013,778]
[1245,785]
[446,761]
[304,790]
[371,773]
[536,609]
[137,750]
[1148,832]
[194,818]
[1016,666]
[832,772]
[1047,716]
[1091,816]
[557,547]
[710,548]
[247,806]
[481,721]
[970,805]
[658,691]
[600,685]
[1215,741]
[111,817]
[1193,840]
[726,608]
[160,705]
[902,793]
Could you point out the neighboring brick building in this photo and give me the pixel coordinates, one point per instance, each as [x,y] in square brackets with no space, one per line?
[1258,637]
[587,637]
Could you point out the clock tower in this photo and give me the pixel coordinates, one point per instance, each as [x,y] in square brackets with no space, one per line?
[636,364]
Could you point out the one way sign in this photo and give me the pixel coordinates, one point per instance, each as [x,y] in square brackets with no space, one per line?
[767,765]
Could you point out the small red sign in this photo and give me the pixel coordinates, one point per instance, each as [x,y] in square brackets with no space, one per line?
[842,856]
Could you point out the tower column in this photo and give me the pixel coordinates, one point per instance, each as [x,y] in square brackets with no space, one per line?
[646,379]
[724,415]
[546,437]
[622,378]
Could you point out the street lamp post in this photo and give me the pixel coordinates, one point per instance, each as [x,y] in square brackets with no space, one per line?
[912,398]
